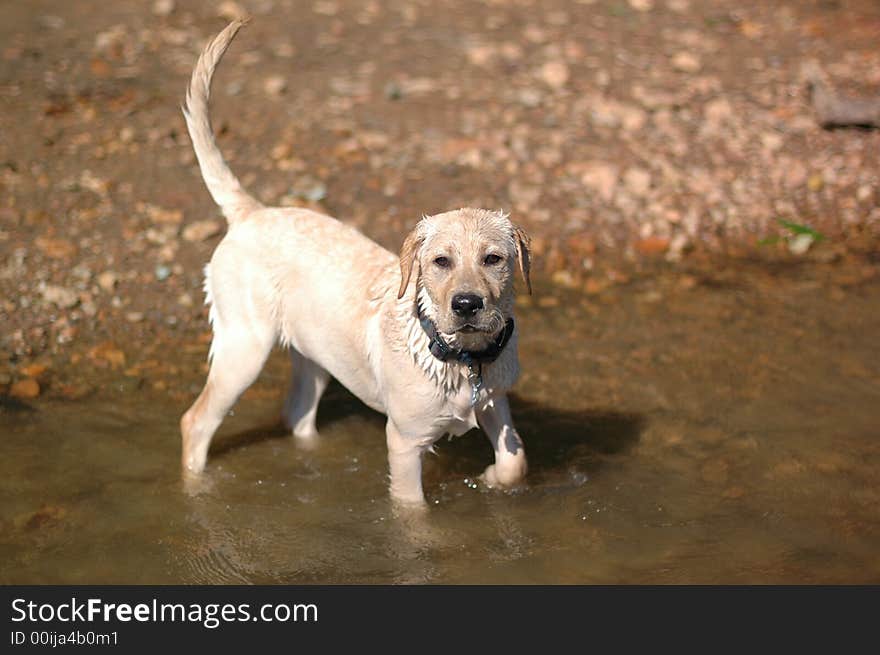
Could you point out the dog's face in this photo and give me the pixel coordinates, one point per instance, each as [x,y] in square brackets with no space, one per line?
[465,263]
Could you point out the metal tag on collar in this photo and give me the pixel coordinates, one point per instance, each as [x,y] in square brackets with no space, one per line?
[475,377]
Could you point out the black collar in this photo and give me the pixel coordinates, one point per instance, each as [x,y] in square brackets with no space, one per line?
[444,352]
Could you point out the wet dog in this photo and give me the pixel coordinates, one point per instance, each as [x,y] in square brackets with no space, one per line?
[427,338]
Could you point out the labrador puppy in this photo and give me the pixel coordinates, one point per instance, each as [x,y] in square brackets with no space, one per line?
[427,338]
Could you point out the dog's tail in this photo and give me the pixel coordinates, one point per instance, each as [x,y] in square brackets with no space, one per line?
[224,187]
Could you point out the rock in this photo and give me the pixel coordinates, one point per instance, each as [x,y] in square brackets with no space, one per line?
[275,85]
[601,177]
[642,5]
[95,184]
[799,244]
[162,272]
[717,112]
[529,97]
[230,10]
[55,248]
[107,281]
[107,353]
[652,245]
[564,279]
[637,181]
[771,141]
[201,230]
[61,297]
[34,370]
[594,286]
[610,113]
[25,389]
[163,216]
[164,7]
[555,74]
[686,62]
[481,54]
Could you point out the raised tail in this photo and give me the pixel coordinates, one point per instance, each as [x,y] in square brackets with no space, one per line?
[224,187]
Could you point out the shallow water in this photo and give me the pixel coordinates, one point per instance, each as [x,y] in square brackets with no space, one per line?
[680,429]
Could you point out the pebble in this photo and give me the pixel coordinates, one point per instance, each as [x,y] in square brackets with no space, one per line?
[654,245]
[815,182]
[163,216]
[107,281]
[555,74]
[164,7]
[35,370]
[275,85]
[25,389]
[108,354]
[642,5]
[637,180]
[60,296]
[202,230]
[564,279]
[55,248]
[600,177]
[718,111]
[799,244]
[230,10]
[686,62]
[530,97]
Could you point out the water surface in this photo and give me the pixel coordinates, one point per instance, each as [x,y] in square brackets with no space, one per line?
[683,428]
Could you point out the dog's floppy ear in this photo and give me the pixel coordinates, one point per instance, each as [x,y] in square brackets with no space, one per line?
[523,242]
[408,252]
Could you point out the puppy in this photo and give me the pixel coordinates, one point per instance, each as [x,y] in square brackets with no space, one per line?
[426,338]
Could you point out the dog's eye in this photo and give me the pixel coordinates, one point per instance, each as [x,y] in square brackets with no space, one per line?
[442,262]
[491,260]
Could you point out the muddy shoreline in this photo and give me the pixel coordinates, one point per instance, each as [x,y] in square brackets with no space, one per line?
[631,139]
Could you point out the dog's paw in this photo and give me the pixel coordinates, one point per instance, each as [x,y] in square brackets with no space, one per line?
[496,477]
[308,442]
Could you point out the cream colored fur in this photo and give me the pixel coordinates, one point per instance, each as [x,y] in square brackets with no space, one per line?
[334,298]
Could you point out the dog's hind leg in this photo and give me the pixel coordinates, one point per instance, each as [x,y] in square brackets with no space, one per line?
[307,383]
[236,360]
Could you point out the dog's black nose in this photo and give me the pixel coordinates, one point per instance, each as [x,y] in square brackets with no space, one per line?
[466,304]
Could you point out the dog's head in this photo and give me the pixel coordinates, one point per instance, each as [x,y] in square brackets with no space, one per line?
[465,263]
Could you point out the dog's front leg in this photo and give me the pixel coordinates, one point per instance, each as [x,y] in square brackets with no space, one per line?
[510,456]
[405,466]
